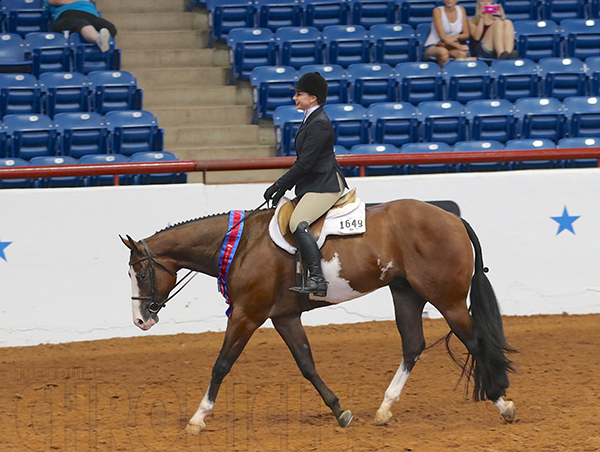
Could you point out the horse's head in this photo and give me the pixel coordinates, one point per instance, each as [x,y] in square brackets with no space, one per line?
[151,283]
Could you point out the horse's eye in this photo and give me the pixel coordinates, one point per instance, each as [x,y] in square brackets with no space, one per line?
[141,276]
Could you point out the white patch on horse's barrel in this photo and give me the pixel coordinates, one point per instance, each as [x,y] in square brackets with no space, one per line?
[385,269]
[338,289]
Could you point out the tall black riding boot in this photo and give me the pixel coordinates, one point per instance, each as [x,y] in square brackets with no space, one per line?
[311,260]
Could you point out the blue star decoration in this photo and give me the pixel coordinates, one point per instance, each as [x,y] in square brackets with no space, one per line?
[2,246]
[565,221]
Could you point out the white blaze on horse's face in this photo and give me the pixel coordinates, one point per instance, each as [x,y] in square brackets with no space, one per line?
[138,320]
[338,289]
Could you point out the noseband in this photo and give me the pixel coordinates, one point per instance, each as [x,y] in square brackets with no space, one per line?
[155,304]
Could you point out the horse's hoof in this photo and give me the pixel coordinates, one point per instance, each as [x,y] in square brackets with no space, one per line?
[193,429]
[509,413]
[383,417]
[345,419]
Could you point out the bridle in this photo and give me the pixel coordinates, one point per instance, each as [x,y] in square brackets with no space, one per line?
[155,304]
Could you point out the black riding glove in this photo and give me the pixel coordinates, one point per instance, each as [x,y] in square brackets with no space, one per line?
[277,196]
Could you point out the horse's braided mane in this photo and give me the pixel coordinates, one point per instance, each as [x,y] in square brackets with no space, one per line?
[182,223]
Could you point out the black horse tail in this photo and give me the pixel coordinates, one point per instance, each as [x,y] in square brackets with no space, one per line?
[490,366]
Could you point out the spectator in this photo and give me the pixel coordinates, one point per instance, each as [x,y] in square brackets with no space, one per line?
[492,34]
[448,34]
[81,16]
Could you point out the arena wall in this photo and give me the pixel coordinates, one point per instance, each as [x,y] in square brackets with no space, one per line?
[63,269]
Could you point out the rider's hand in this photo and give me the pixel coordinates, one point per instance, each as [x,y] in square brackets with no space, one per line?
[277,196]
[271,193]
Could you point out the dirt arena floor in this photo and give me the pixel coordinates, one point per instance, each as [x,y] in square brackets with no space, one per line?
[137,394]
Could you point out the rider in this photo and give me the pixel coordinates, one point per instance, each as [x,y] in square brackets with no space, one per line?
[316,174]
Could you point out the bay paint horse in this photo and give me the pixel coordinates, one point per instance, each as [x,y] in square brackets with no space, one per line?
[423,253]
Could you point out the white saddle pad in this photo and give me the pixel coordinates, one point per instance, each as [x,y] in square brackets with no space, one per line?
[346,220]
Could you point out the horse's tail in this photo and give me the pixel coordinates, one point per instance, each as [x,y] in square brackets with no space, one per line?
[490,366]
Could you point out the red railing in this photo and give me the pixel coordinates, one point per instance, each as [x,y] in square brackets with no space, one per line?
[361,161]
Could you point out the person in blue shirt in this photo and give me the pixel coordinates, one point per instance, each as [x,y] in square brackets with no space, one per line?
[81,16]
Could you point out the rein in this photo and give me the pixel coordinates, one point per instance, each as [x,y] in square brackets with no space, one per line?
[156,305]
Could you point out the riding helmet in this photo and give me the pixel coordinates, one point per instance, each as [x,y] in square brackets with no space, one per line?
[313,83]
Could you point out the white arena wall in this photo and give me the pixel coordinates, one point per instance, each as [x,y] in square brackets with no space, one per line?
[63,269]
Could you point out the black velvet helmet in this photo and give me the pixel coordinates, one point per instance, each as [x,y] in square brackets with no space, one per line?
[313,83]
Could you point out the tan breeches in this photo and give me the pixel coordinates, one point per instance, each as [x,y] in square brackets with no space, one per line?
[313,205]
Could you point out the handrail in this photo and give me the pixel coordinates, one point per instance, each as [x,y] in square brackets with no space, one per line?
[205,166]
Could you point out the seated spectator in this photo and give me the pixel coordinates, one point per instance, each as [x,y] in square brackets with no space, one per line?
[492,34]
[81,16]
[449,32]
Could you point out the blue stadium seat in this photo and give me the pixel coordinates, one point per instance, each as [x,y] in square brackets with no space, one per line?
[491,120]
[87,57]
[29,136]
[64,92]
[559,10]
[394,123]
[541,118]
[415,12]
[419,82]
[157,178]
[226,15]
[563,77]
[346,44]
[286,120]
[428,168]
[95,159]
[274,14]
[470,7]
[114,90]
[133,131]
[250,48]
[393,44]
[52,182]
[444,122]
[517,10]
[514,79]
[538,39]
[15,183]
[378,149]
[350,124]
[271,89]
[299,46]
[467,80]
[583,115]
[50,52]
[349,171]
[530,143]
[13,54]
[480,146]
[19,93]
[581,37]
[81,134]
[592,70]
[25,16]
[325,13]
[337,81]
[373,12]
[580,142]
[371,83]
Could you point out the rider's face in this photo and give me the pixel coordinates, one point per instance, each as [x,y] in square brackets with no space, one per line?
[304,101]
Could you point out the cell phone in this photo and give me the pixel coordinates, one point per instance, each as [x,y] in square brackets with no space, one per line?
[490,9]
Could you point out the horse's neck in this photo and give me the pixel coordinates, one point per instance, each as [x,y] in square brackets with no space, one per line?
[194,245]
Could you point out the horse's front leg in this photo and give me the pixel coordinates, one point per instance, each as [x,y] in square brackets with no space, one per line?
[291,330]
[239,331]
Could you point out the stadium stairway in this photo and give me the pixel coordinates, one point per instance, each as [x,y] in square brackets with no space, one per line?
[186,85]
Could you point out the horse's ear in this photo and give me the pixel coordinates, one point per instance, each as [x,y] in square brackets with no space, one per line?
[130,243]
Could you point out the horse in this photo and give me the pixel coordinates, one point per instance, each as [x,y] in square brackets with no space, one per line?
[420,251]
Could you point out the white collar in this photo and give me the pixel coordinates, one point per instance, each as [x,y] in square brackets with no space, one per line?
[308,112]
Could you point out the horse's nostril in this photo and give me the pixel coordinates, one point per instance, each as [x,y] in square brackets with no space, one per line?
[140,322]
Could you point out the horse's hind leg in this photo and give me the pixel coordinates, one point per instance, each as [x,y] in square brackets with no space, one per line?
[291,330]
[408,306]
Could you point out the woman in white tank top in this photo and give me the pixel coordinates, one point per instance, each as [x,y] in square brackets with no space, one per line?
[449,29]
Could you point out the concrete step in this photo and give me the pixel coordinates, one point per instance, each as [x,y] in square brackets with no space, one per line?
[138,59]
[162,40]
[191,77]
[141,6]
[236,177]
[162,21]
[231,135]
[196,97]
[203,116]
